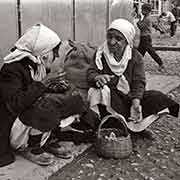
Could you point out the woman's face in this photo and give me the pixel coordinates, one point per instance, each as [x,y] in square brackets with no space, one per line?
[116,42]
[49,58]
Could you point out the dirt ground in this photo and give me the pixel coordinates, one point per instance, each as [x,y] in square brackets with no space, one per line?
[150,160]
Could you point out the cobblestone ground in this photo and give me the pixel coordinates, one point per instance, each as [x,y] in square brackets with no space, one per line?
[157,160]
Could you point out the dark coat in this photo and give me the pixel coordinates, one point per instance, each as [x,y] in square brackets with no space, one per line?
[17,92]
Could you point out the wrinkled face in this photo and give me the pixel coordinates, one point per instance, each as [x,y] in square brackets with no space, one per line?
[116,42]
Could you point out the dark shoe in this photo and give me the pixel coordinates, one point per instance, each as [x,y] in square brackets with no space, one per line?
[162,69]
[76,137]
[43,159]
[57,150]
[148,134]
[7,158]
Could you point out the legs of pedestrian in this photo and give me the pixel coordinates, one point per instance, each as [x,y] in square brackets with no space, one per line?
[173,28]
[142,46]
[146,45]
[156,57]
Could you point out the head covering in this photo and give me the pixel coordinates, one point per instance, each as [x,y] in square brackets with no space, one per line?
[36,41]
[126,28]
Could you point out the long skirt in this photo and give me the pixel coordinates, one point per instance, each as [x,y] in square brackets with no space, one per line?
[152,103]
[47,112]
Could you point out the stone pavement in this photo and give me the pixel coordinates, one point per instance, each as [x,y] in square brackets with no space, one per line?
[162,83]
[23,169]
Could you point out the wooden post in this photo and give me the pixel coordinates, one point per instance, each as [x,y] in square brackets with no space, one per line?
[74,19]
[107,13]
[19,18]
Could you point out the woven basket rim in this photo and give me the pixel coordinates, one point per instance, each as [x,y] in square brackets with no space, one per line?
[111,130]
[119,118]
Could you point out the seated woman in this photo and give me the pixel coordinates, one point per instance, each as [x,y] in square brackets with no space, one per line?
[33,101]
[117,80]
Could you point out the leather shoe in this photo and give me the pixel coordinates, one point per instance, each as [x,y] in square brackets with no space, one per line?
[57,150]
[43,159]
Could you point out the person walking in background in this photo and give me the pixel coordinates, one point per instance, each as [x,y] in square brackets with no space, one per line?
[145,25]
[175,11]
[171,20]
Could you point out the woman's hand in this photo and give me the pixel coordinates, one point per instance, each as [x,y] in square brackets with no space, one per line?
[56,82]
[60,86]
[136,111]
[103,79]
[53,77]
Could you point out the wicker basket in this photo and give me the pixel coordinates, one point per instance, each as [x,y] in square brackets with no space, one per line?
[118,147]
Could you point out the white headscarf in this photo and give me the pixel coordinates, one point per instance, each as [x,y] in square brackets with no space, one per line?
[126,28]
[37,41]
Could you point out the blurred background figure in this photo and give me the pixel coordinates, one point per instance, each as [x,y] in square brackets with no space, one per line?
[175,11]
[172,21]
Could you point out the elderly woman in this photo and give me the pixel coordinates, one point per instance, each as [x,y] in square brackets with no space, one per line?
[117,79]
[33,101]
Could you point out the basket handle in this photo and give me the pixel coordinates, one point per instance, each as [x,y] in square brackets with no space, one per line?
[120,119]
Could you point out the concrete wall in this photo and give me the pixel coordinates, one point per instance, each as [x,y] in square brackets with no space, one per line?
[8,26]
[88,24]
